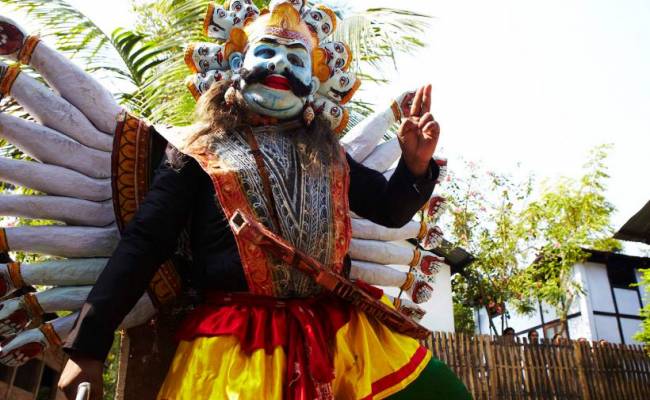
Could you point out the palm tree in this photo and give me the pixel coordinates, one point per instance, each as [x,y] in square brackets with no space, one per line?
[149,56]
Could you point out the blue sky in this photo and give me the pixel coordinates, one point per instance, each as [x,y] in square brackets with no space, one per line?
[532,82]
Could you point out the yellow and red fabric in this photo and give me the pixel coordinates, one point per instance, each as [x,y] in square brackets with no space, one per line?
[243,346]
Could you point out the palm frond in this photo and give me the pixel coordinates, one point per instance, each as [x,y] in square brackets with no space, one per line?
[74,33]
[377,35]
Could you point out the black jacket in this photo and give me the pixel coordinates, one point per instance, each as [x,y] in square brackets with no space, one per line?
[187,195]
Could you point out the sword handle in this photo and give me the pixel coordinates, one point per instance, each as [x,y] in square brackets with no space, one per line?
[83,391]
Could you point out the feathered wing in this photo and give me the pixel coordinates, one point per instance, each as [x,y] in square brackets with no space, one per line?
[70,145]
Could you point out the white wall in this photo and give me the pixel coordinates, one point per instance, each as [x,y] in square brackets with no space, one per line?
[440,309]
[597,288]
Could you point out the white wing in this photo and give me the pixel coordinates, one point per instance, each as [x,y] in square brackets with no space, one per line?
[70,144]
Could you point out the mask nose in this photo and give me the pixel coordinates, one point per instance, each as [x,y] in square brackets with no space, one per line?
[277,64]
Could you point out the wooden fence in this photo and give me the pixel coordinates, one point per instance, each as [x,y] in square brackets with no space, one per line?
[495,369]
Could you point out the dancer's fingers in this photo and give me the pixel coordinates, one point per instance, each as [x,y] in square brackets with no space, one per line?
[54,180]
[52,110]
[52,147]
[78,87]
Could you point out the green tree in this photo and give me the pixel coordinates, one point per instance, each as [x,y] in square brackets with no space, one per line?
[485,220]
[526,238]
[569,217]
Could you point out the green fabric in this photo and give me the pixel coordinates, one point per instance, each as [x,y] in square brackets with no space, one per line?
[435,382]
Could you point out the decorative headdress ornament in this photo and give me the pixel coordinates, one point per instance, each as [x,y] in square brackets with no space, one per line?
[239,22]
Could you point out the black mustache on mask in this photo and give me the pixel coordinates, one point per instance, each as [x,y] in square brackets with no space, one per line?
[259,73]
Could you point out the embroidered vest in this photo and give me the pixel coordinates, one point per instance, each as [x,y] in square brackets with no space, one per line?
[308,207]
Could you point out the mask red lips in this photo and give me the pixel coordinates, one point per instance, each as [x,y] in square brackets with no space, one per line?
[278,82]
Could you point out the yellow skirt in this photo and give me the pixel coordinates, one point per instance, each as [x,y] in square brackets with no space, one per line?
[370,362]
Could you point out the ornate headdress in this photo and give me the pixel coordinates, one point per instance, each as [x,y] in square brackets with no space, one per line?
[239,22]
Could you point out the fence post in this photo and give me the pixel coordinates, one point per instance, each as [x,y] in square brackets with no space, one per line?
[580,366]
[491,367]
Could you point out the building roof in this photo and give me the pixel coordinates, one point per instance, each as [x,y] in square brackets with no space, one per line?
[637,228]
[618,260]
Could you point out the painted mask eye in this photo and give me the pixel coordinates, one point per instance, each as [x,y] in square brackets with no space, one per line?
[265,52]
[326,28]
[336,112]
[202,51]
[248,2]
[236,6]
[221,13]
[295,60]
[316,16]
[343,81]
[339,63]
[204,64]
[236,20]
[338,47]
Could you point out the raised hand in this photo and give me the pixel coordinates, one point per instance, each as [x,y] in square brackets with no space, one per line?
[405,102]
[418,134]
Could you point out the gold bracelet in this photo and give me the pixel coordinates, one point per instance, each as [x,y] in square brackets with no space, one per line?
[410,279]
[25,54]
[7,80]
[4,245]
[396,111]
[397,303]
[32,306]
[50,334]
[15,275]
[416,257]
[423,229]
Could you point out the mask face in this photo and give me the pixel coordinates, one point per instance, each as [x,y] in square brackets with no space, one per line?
[319,22]
[337,55]
[207,56]
[331,111]
[242,10]
[339,86]
[282,80]
[297,4]
[221,24]
[201,82]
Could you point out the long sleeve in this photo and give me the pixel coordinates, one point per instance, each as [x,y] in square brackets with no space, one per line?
[391,203]
[149,239]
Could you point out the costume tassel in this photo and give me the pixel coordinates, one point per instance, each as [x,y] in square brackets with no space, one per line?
[308,114]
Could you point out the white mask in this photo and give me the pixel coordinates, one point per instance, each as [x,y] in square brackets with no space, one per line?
[203,57]
[335,114]
[319,22]
[340,87]
[338,55]
[201,82]
[219,23]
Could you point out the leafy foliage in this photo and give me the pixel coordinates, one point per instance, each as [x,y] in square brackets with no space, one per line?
[485,220]
[569,217]
[526,247]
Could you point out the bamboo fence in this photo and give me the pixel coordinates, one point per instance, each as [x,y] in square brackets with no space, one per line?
[493,368]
